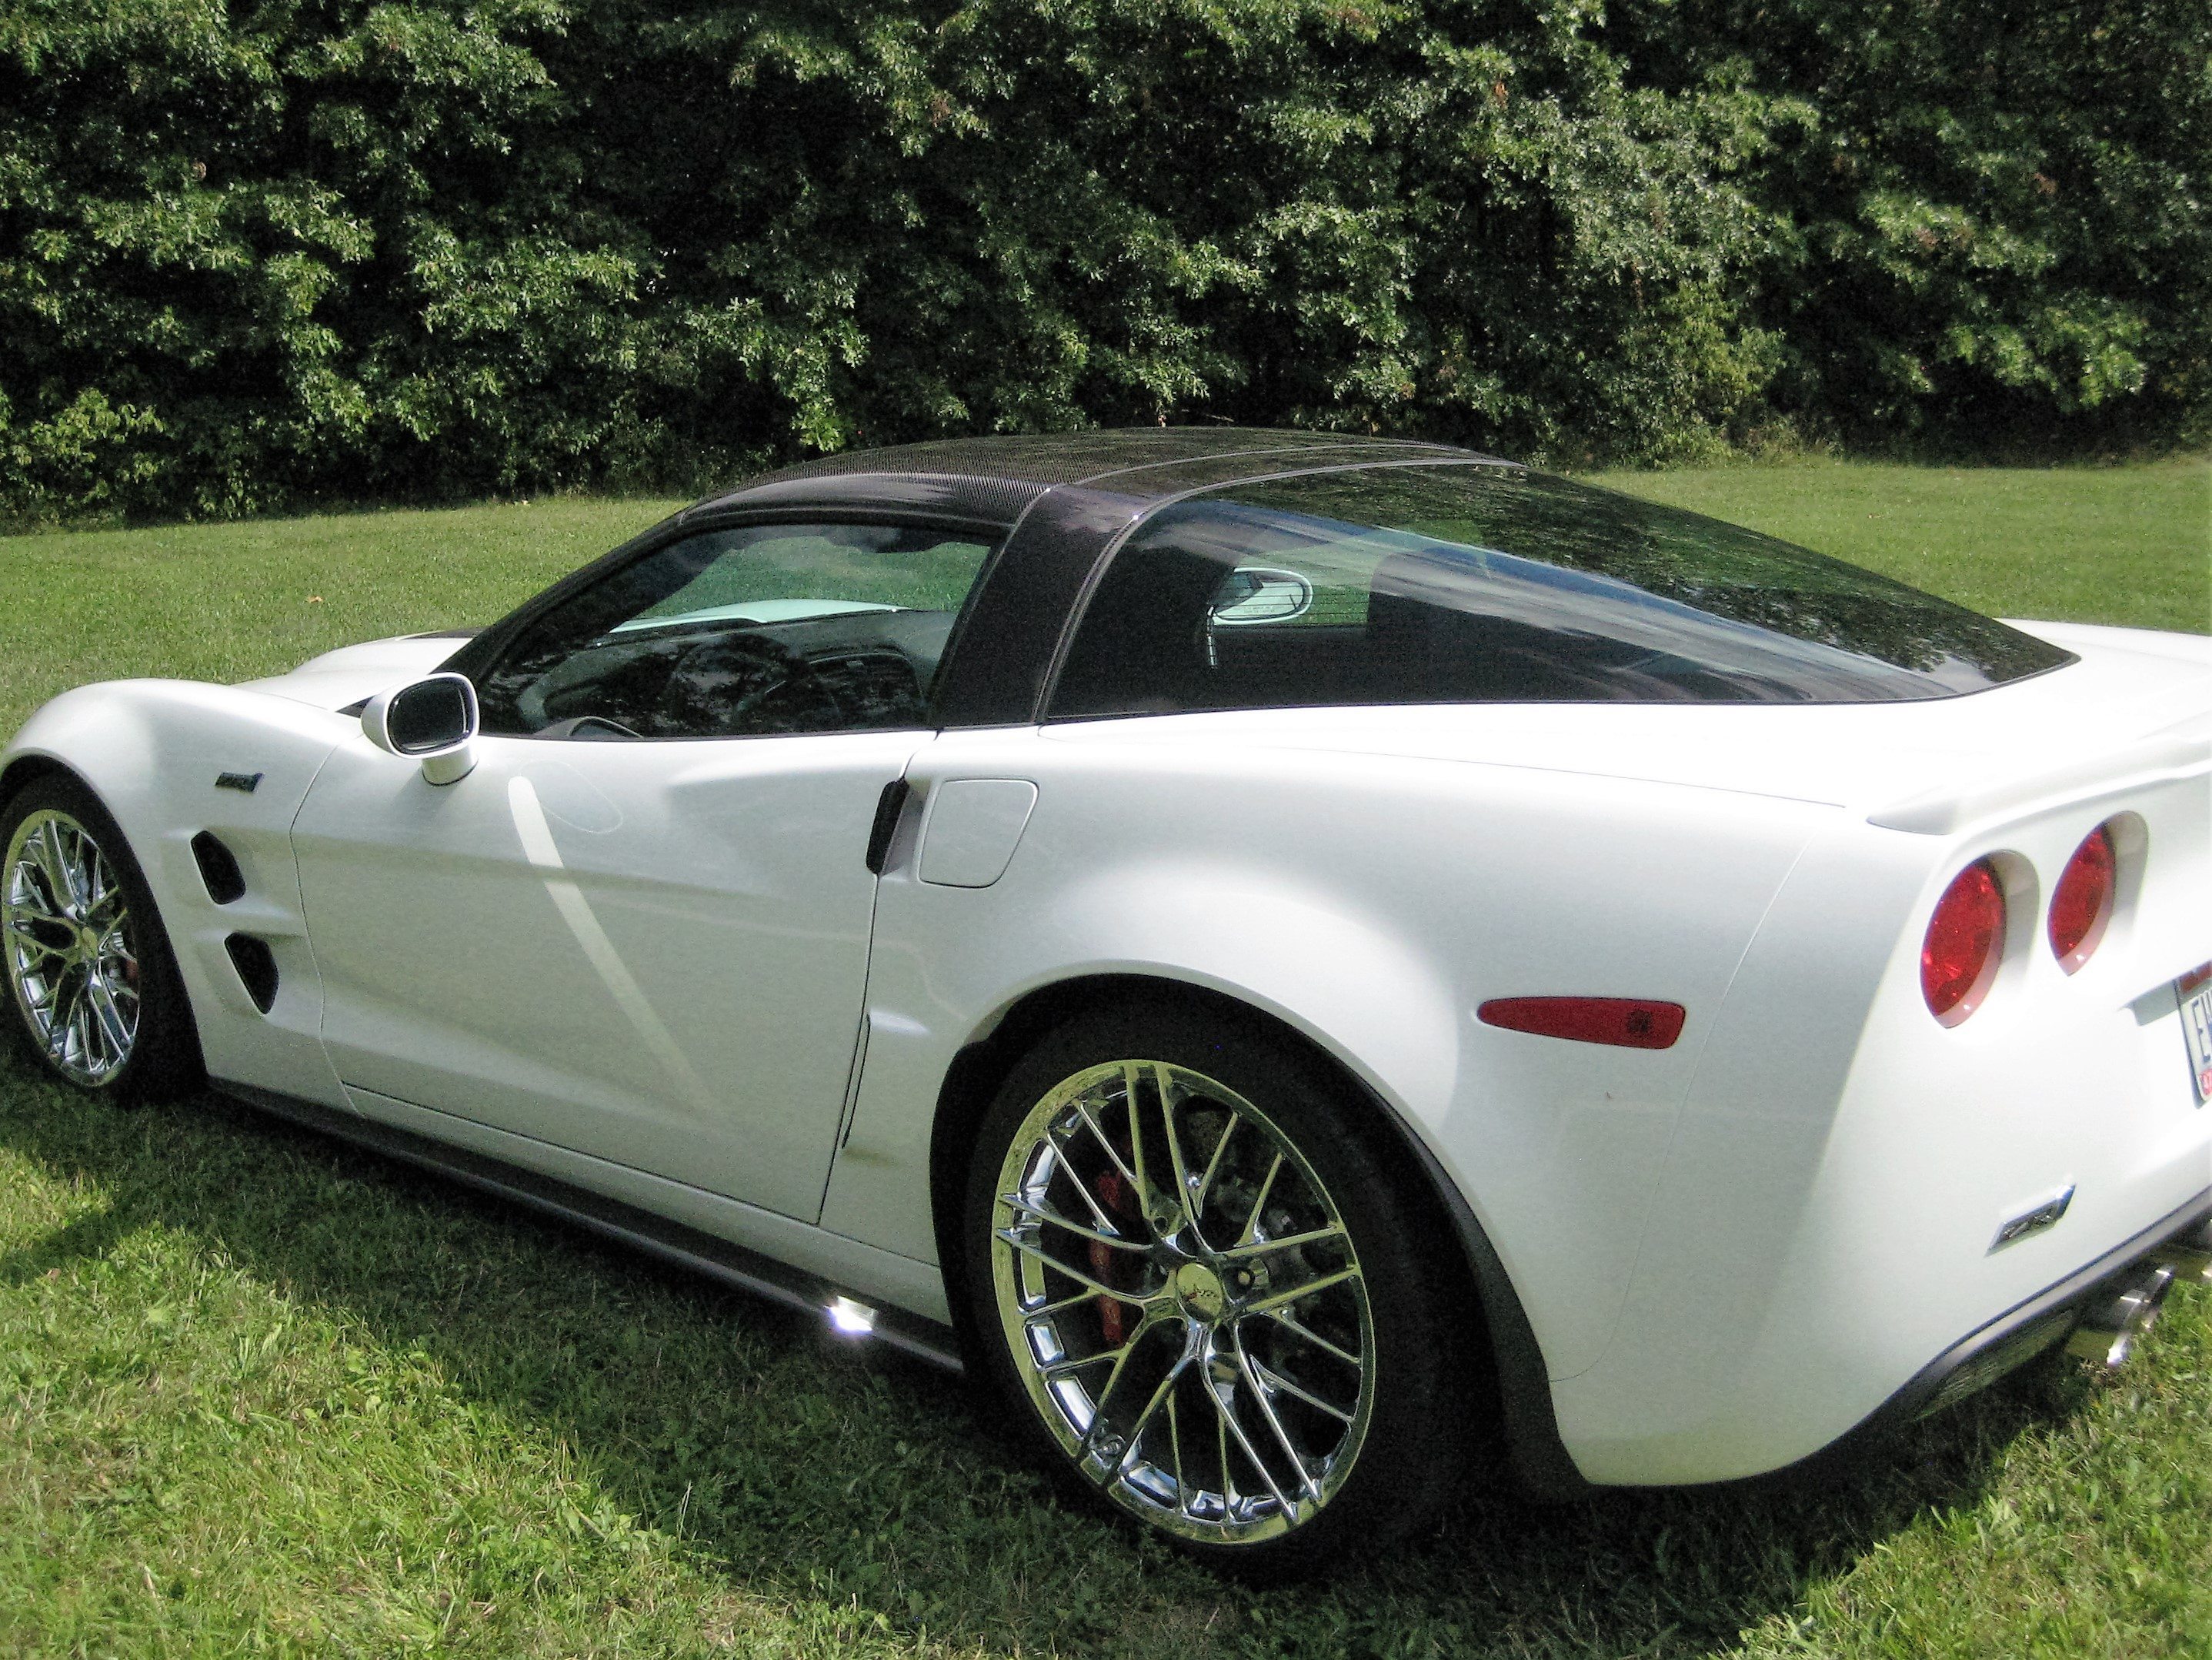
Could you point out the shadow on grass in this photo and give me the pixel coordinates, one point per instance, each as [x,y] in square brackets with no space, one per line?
[799,1471]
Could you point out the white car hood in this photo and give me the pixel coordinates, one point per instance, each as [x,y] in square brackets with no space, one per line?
[350,673]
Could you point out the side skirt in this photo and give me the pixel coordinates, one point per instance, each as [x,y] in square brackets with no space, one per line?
[672,1242]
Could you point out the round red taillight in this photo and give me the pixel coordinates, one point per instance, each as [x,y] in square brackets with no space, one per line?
[2082,902]
[1965,938]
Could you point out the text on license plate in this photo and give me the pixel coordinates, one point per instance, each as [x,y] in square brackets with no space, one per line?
[2194,991]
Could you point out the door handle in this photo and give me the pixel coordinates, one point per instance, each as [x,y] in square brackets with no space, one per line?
[889,806]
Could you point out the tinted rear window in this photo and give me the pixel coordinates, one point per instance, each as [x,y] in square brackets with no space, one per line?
[1484,583]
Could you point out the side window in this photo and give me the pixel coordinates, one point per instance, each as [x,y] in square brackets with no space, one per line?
[1209,607]
[1481,584]
[745,631]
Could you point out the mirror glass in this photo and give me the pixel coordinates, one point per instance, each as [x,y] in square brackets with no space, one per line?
[1260,593]
[430,715]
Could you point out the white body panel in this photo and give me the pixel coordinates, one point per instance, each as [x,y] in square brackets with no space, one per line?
[1289,879]
[971,830]
[1730,1251]
[653,954]
[1823,1227]
[151,750]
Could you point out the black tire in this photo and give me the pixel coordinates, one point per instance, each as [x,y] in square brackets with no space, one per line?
[1403,1448]
[163,1058]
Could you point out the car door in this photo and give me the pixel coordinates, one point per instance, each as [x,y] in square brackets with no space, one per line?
[639,927]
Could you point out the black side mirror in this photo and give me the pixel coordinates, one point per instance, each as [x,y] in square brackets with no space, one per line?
[431,720]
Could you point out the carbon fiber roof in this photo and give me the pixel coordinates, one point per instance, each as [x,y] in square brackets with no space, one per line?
[996,478]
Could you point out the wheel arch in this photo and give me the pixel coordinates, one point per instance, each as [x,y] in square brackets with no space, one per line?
[1522,1394]
[185,1067]
[166,760]
[23,770]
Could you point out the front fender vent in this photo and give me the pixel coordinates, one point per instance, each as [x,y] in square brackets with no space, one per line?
[219,869]
[257,968]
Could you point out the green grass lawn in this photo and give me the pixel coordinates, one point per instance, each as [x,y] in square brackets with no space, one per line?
[226,602]
[2129,545]
[261,1393]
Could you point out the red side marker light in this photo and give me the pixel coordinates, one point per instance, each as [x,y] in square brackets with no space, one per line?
[1965,941]
[1628,1023]
[2082,902]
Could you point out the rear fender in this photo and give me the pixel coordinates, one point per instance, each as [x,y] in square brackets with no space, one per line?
[1190,927]
[1369,906]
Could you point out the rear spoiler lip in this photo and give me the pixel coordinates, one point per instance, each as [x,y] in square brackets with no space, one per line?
[2178,752]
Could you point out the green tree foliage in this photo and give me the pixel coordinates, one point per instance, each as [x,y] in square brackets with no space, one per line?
[266,251]
[2002,217]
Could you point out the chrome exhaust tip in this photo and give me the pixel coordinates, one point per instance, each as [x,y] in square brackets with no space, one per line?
[2114,1319]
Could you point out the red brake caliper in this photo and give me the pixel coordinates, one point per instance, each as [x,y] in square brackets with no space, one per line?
[1113,1191]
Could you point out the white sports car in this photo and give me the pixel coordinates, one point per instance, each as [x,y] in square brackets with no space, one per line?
[1280,949]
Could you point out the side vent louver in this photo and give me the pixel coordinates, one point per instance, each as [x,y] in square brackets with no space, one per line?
[257,968]
[219,869]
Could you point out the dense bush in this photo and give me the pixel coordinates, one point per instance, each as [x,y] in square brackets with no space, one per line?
[2001,220]
[272,250]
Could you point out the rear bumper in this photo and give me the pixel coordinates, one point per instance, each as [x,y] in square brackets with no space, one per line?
[1847,1226]
[1999,1346]
[2036,1323]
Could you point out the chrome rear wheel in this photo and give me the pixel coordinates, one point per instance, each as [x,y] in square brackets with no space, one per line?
[71,942]
[1182,1302]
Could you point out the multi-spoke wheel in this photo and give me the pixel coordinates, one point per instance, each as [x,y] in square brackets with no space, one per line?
[1188,1266]
[88,967]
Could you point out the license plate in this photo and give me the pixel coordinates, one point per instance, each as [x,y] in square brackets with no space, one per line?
[2194,992]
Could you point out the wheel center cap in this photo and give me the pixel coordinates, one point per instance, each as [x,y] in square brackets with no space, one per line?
[88,940]
[1198,1288]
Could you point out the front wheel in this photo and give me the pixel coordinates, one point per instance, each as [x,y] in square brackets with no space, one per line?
[96,993]
[1192,1272]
